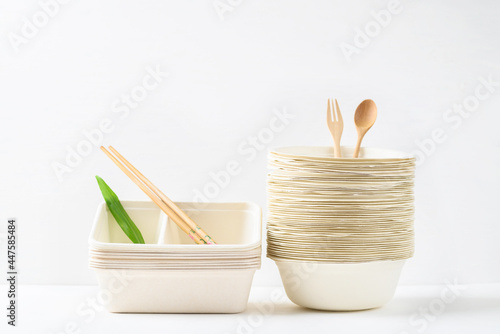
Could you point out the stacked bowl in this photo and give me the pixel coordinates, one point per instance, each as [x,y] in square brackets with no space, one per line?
[171,274]
[340,229]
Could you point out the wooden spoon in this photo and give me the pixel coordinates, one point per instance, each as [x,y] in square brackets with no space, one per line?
[364,118]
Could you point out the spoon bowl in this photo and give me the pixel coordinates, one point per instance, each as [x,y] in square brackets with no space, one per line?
[364,118]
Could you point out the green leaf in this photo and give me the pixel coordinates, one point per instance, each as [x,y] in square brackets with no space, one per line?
[121,216]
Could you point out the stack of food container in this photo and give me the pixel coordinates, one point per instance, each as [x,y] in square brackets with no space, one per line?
[171,274]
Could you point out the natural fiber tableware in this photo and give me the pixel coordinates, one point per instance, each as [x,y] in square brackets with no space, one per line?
[349,210]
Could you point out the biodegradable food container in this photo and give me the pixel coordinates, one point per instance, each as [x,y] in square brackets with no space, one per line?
[340,229]
[171,274]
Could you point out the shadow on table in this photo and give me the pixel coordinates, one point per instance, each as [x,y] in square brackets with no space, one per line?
[402,306]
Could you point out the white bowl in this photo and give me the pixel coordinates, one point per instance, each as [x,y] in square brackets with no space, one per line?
[340,286]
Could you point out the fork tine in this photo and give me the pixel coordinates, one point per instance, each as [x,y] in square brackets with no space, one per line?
[337,112]
[328,114]
[333,111]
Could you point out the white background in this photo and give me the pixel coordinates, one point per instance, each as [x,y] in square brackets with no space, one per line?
[226,78]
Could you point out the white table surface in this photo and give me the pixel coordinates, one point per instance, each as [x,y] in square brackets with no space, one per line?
[53,309]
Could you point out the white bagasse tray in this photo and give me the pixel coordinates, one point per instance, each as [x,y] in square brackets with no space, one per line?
[173,291]
[236,227]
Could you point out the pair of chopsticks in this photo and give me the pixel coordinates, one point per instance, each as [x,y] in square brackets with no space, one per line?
[166,205]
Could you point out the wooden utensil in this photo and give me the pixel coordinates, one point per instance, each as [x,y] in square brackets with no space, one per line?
[335,125]
[166,205]
[364,118]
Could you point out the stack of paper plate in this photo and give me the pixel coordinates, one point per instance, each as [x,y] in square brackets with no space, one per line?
[340,210]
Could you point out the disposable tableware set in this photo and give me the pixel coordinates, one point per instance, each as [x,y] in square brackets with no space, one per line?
[339,227]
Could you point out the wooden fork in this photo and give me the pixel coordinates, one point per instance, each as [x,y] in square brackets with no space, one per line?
[335,125]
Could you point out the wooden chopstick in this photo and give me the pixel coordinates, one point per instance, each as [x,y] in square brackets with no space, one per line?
[163,206]
[151,195]
[190,223]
